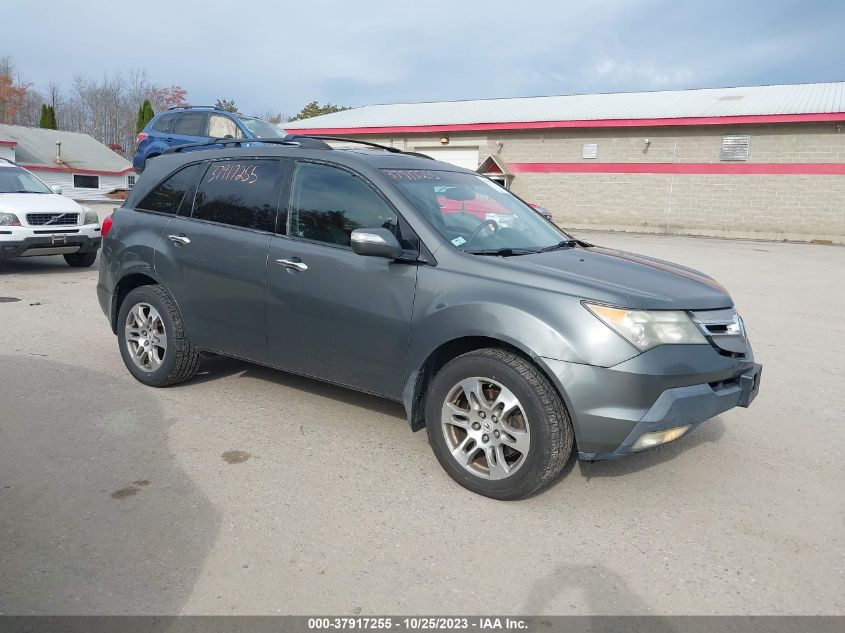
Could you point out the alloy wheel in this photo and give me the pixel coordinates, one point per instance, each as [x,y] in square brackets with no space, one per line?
[486,428]
[145,336]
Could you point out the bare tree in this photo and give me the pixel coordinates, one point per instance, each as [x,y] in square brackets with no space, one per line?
[106,109]
[277,118]
[20,103]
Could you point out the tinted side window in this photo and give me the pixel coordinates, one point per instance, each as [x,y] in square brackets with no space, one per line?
[239,193]
[167,196]
[165,123]
[328,203]
[191,124]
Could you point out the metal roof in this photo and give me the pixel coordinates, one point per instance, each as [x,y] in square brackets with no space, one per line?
[36,147]
[751,101]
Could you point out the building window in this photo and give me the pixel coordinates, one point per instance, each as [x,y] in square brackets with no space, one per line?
[590,150]
[130,181]
[735,147]
[86,182]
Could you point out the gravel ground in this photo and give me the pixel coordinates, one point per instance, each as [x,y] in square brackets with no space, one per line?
[251,491]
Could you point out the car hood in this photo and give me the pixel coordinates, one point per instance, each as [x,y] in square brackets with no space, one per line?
[37,203]
[625,279]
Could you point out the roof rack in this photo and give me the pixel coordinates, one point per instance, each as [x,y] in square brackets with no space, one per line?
[393,150]
[301,142]
[295,140]
[294,137]
[189,107]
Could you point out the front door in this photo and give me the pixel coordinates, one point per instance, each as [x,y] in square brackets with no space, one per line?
[333,314]
[214,262]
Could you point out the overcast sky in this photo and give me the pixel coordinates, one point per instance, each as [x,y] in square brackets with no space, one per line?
[279,55]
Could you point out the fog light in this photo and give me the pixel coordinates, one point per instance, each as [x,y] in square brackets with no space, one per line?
[647,440]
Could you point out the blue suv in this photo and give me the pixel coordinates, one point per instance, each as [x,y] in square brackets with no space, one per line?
[195,124]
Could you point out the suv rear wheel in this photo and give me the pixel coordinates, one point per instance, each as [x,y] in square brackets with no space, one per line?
[152,339]
[496,425]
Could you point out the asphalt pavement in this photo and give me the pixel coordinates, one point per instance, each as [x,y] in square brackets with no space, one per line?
[251,491]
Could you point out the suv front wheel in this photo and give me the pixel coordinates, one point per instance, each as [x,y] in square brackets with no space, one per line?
[497,425]
[152,339]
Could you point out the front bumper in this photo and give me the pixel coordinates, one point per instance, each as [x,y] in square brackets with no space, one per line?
[668,386]
[30,242]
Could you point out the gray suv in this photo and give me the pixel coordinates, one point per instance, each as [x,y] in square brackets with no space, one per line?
[511,342]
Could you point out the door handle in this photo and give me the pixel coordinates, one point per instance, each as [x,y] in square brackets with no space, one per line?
[180,239]
[289,263]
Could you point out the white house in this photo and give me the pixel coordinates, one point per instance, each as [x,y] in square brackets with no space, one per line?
[83,167]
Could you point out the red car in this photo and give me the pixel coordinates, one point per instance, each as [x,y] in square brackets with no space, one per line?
[484,209]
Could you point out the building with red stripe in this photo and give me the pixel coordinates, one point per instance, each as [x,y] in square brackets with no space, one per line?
[750,162]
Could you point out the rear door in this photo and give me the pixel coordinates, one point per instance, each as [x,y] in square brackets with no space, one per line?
[331,313]
[160,133]
[213,259]
[190,127]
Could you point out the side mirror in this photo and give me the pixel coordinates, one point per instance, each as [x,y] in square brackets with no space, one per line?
[57,189]
[375,243]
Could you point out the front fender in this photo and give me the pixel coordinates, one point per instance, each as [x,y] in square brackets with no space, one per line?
[451,304]
[505,323]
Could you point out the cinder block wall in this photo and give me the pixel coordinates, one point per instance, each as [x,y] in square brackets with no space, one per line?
[783,206]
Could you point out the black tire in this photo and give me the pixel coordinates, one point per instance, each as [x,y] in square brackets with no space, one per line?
[180,360]
[551,434]
[81,260]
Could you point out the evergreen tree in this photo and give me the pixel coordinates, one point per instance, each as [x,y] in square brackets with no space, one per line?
[228,105]
[145,115]
[48,118]
[315,109]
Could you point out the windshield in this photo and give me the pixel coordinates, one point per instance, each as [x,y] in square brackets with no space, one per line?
[261,128]
[475,214]
[16,180]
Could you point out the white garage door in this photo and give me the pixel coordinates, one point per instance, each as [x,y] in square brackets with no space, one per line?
[466,157]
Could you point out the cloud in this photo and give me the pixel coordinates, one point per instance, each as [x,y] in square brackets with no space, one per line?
[647,73]
[280,55]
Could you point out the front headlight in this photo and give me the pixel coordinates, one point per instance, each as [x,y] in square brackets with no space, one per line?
[9,219]
[91,217]
[649,328]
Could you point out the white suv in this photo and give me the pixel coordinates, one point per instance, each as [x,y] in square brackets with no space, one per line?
[37,220]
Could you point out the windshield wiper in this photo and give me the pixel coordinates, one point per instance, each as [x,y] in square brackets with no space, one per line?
[559,245]
[21,191]
[503,252]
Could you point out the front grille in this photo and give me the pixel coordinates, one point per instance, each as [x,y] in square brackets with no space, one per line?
[725,331]
[53,219]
